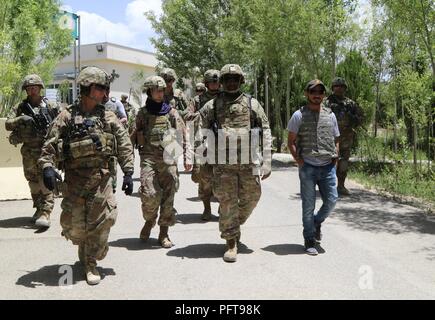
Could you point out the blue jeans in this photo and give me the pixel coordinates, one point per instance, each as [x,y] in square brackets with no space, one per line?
[325,177]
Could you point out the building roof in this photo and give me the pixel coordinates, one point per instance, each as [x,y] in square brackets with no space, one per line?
[115,52]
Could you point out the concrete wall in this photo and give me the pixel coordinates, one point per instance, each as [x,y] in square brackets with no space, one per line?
[10,156]
[13,185]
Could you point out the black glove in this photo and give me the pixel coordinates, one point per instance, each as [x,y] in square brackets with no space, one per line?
[50,177]
[127,184]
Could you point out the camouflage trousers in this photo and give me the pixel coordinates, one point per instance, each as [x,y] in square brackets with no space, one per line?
[43,199]
[238,191]
[204,176]
[159,183]
[346,142]
[89,210]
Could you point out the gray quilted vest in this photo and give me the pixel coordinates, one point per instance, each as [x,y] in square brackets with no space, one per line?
[315,137]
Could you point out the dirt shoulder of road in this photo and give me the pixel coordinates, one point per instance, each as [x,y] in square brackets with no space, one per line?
[427,206]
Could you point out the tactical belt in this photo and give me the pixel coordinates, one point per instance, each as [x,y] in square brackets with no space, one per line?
[88,164]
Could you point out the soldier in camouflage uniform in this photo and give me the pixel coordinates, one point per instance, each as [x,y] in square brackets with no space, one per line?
[236,184]
[83,138]
[349,117]
[174,97]
[28,131]
[200,89]
[203,174]
[157,124]
[131,113]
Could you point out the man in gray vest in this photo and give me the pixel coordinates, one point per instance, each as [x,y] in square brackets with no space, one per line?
[313,142]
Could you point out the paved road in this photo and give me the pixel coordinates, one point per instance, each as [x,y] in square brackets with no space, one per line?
[373,249]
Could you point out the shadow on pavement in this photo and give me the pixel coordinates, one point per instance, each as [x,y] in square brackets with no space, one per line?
[285,249]
[206,250]
[19,222]
[197,199]
[290,248]
[372,212]
[136,244]
[375,213]
[194,218]
[56,275]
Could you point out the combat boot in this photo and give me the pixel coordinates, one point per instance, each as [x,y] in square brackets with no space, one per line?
[35,216]
[164,240]
[92,275]
[239,236]
[341,189]
[43,221]
[146,230]
[206,215]
[231,253]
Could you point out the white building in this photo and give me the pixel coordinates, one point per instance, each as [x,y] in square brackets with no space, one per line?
[120,60]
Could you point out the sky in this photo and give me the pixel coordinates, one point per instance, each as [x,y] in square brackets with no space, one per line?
[123,21]
[118,21]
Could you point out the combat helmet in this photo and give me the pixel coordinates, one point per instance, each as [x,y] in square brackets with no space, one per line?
[339,82]
[200,86]
[231,69]
[32,80]
[168,74]
[93,75]
[211,76]
[154,82]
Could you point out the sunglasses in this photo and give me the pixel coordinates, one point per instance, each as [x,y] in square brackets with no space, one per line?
[316,91]
[101,87]
[232,78]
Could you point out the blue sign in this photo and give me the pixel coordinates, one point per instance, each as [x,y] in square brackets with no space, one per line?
[68,20]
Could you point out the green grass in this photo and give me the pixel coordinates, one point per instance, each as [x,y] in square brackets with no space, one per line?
[379,149]
[398,179]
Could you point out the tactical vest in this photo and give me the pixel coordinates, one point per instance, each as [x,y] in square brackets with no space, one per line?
[342,110]
[175,102]
[157,133]
[315,137]
[28,134]
[88,141]
[234,119]
[204,98]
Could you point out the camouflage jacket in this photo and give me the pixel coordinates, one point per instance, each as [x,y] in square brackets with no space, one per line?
[232,115]
[348,113]
[146,125]
[200,101]
[103,138]
[179,102]
[28,133]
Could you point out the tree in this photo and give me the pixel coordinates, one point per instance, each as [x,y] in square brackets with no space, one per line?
[187,33]
[30,42]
